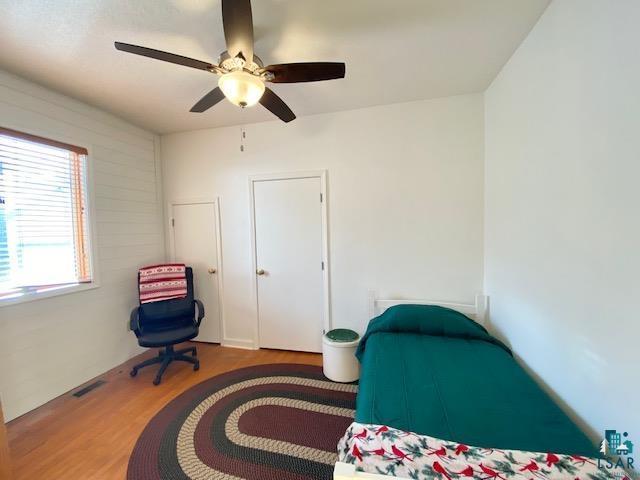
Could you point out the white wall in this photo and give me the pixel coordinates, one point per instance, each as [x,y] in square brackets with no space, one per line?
[51,345]
[562,225]
[405,200]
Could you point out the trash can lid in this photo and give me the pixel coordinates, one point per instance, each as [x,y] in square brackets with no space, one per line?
[342,335]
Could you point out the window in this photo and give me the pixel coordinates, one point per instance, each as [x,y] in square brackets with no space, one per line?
[44,235]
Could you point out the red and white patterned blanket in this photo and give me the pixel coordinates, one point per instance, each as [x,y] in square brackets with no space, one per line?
[383,450]
[162,282]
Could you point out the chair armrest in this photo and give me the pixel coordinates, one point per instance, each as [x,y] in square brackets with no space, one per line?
[134,324]
[200,312]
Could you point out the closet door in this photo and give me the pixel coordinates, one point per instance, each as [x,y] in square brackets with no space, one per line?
[289,260]
[195,243]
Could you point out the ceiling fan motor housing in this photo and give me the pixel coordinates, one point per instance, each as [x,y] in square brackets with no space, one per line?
[227,63]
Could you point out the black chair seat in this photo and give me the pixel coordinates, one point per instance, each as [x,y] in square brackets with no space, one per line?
[160,338]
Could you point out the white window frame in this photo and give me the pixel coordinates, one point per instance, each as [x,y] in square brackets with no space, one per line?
[91,224]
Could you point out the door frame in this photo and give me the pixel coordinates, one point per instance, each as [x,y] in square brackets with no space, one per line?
[215,201]
[322,175]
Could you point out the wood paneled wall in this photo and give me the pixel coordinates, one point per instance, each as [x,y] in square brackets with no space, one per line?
[50,346]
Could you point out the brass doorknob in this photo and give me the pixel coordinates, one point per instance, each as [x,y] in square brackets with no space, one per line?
[212,271]
[260,271]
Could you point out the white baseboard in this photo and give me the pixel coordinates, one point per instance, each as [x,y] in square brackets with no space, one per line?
[239,343]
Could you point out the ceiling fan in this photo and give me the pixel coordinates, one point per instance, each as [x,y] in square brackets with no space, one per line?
[242,74]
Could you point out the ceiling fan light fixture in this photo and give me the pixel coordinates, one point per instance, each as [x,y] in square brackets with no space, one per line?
[241,88]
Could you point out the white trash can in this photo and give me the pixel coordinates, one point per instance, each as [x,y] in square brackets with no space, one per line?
[339,362]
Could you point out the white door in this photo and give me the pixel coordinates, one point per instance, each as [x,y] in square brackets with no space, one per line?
[289,261]
[195,243]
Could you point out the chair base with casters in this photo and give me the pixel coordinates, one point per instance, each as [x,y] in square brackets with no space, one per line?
[166,323]
[165,357]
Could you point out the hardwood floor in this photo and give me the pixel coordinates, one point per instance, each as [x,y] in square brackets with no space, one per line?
[5,461]
[91,437]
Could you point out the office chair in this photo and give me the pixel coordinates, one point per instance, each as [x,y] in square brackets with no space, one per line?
[165,324]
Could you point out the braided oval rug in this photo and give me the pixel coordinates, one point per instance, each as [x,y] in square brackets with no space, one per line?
[279,421]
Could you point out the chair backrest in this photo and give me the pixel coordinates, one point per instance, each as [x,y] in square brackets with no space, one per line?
[164,314]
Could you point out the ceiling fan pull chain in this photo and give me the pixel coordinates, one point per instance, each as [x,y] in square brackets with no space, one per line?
[243,134]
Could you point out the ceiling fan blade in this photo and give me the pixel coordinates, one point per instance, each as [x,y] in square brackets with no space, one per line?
[164,56]
[306,72]
[238,27]
[208,101]
[275,105]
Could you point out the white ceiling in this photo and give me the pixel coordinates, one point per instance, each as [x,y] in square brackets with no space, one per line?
[395,51]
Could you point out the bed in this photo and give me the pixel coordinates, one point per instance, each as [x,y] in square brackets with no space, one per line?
[432,369]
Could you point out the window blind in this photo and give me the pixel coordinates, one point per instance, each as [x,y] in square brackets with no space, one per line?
[44,242]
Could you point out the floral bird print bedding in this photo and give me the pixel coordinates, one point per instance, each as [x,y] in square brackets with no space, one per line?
[383,450]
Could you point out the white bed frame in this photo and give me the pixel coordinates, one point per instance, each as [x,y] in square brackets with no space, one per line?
[346,471]
[477,312]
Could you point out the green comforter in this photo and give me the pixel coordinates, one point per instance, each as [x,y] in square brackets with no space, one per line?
[433,371]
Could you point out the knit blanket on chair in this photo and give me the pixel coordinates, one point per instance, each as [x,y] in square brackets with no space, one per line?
[162,282]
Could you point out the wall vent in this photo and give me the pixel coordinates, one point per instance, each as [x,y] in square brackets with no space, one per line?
[88,388]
